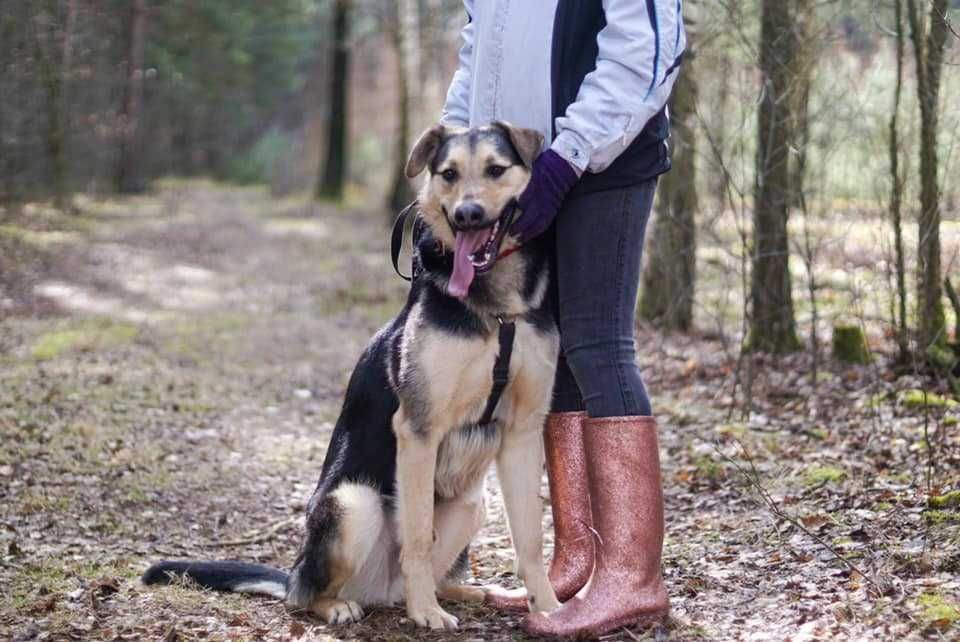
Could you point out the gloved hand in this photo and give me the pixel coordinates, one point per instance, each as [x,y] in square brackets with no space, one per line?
[551,179]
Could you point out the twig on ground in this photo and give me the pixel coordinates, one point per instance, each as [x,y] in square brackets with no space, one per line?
[259,538]
[753,476]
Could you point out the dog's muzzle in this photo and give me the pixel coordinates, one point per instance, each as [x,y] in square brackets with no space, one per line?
[486,257]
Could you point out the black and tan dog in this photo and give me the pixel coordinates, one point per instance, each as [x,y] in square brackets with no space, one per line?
[401,493]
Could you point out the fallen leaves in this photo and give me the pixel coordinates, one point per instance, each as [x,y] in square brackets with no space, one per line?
[211,428]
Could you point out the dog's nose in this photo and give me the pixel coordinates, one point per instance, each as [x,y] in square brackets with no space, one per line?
[468,214]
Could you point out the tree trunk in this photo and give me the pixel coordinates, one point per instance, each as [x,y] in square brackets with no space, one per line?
[896,190]
[56,133]
[928,44]
[54,66]
[129,170]
[719,131]
[670,274]
[802,81]
[401,192]
[334,174]
[773,328]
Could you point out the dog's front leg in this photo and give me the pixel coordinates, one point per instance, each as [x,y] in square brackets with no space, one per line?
[416,467]
[519,466]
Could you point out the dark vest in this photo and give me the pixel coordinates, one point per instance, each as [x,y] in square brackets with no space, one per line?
[574,55]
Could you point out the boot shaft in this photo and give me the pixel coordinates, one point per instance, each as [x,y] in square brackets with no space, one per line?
[623,460]
[567,473]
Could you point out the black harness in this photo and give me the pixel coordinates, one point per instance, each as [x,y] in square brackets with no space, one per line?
[507,331]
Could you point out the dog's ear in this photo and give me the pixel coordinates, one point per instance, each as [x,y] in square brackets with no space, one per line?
[527,142]
[425,149]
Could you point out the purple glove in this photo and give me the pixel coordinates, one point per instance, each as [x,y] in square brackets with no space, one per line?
[550,181]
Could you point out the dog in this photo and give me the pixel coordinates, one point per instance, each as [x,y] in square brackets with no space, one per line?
[401,493]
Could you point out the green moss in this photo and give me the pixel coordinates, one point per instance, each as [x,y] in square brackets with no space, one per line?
[947,500]
[916,398]
[817,475]
[83,336]
[850,344]
[941,517]
[937,611]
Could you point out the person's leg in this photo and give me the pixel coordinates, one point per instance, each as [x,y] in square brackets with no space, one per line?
[566,392]
[599,243]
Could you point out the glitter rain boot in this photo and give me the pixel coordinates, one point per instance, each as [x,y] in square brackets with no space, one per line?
[626,587]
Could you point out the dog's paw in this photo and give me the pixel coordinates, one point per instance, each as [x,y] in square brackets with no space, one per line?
[341,612]
[432,617]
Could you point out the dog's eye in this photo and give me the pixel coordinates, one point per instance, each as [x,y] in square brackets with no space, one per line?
[496,171]
[449,175]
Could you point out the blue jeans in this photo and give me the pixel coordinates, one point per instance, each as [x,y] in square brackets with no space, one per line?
[596,272]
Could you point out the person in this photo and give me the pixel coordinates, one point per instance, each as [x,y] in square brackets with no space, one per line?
[594,77]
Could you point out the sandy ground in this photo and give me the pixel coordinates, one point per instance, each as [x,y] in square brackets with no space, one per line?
[171,367]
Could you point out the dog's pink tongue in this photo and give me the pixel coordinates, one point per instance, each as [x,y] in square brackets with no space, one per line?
[467,243]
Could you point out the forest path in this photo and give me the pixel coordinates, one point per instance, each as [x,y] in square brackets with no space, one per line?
[176,381]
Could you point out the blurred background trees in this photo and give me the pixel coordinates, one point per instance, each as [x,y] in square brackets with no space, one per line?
[104,95]
[670,275]
[812,141]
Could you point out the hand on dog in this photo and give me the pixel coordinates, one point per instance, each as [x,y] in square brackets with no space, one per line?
[551,180]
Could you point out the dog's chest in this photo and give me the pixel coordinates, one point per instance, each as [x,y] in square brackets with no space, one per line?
[468,449]
[463,458]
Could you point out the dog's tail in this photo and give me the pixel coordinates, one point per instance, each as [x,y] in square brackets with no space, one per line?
[235,577]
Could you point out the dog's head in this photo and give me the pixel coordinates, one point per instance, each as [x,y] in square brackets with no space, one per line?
[474,177]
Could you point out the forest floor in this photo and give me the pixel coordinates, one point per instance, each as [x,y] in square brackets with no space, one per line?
[171,367]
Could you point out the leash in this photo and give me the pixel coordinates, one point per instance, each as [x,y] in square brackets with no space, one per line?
[396,239]
[508,329]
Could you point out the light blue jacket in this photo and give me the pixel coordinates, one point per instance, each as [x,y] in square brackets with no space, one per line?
[505,74]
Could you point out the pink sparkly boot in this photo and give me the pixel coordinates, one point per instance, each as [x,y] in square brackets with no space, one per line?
[626,587]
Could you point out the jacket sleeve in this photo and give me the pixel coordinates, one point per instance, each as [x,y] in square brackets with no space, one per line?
[637,63]
[456,109]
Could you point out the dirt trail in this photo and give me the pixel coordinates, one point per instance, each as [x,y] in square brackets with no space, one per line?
[171,368]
